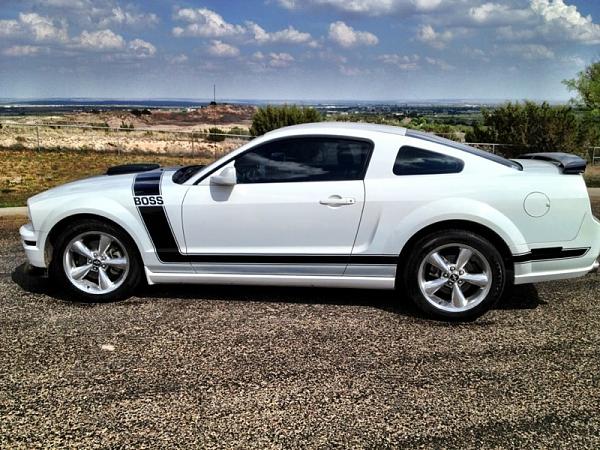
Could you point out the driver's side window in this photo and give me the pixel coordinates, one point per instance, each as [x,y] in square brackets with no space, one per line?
[304,159]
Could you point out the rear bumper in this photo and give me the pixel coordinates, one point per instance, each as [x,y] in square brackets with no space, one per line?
[562,268]
[34,249]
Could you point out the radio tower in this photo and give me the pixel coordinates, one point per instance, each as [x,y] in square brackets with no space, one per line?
[214,102]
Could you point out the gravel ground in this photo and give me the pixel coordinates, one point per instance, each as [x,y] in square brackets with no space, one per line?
[289,368]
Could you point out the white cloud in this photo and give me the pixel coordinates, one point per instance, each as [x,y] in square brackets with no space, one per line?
[498,14]
[565,22]
[141,48]
[204,23]
[34,28]
[120,16]
[539,21]
[347,36]
[413,62]
[98,14]
[178,59]
[67,3]
[289,35]
[403,62]
[531,51]
[21,50]
[9,28]
[261,61]
[330,56]
[439,63]
[222,50]
[574,60]
[280,60]
[476,53]
[41,28]
[100,40]
[369,7]
[352,71]
[288,4]
[433,38]
[510,33]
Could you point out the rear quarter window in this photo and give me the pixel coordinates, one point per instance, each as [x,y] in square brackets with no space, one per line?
[416,161]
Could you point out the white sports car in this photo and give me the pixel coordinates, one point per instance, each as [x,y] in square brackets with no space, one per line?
[328,204]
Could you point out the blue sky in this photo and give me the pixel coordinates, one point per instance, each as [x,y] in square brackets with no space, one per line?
[296,49]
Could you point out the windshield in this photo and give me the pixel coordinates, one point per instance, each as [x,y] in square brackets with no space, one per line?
[465,148]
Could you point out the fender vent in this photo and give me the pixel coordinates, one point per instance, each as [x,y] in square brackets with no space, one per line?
[131,168]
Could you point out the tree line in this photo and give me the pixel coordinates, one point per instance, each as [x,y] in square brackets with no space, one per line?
[543,127]
[522,127]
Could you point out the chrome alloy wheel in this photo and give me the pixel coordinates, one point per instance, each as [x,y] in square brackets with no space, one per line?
[96,262]
[455,277]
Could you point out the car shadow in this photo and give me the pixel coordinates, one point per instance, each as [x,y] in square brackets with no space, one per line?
[36,281]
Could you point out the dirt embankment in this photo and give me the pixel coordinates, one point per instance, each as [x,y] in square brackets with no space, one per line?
[140,130]
[191,119]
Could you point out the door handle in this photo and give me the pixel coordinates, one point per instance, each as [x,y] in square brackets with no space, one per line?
[337,200]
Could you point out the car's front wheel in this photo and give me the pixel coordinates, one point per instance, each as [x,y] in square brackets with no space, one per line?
[455,275]
[96,261]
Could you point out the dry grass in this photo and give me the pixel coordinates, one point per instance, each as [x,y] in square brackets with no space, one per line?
[12,223]
[131,141]
[592,176]
[24,173]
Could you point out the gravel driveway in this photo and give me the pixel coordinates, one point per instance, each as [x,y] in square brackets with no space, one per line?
[289,368]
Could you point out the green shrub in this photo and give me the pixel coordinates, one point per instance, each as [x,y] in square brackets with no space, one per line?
[239,131]
[272,117]
[126,127]
[531,127]
[215,135]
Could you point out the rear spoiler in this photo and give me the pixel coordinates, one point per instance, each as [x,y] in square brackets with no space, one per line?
[570,164]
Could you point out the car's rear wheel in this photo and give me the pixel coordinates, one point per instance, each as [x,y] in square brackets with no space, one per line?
[96,261]
[455,275]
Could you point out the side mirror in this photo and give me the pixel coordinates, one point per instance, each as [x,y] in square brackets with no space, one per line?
[227,177]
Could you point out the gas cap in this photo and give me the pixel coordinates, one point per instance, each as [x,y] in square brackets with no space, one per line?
[537,204]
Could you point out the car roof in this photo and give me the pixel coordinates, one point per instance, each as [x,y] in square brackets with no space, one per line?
[333,127]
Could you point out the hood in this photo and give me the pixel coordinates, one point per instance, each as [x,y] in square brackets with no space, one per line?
[96,184]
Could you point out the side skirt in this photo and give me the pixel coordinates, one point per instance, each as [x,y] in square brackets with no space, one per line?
[272,280]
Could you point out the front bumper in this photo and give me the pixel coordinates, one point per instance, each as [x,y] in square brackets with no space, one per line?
[33,247]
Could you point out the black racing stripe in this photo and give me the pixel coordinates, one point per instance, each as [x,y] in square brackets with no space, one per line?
[157,224]
[541,254]
[147,183]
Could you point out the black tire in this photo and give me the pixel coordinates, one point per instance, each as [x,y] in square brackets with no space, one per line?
[426,245]
[58,275]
